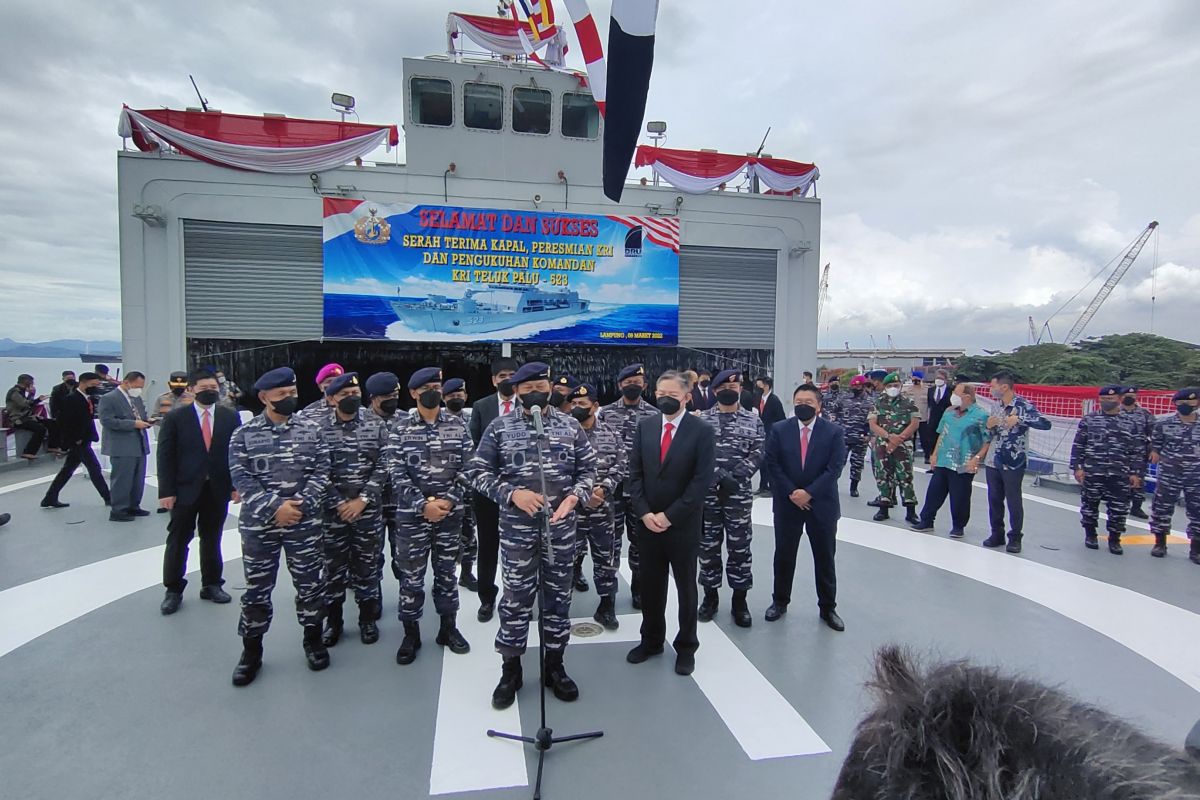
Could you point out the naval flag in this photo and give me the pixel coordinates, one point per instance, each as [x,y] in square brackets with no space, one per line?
[630,61]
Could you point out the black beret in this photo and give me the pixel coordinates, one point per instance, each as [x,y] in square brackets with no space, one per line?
[1186,394]
[631,371]
[382,383]
[275,379]
[1109,391]
[341,382]
[566,380]
[586,391]
[452,385]
[424,376]
[533,371]
[726,376]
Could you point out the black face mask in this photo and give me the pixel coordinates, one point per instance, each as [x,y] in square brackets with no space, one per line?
[833,387]
[505,388]
[668,405]
[557,399]
[388,407]
[857,392]
[430,399]
[177,390]
[704,382]
[1129,401]
[72,384]
[631,392]
[456,404]
[1109,405]
[1185,409]
[805,413]
[286,407]
[207,397]
[350,405]
[727,397]
[581,414]
[531,399]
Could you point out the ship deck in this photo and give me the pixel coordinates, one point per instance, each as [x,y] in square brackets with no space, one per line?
[105,698]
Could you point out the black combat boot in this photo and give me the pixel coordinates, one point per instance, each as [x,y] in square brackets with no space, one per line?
[1114,545]
[411,644]
[708,607]
[1135,510]
[854,488]
[606,613]
[558,679]
[1160,546]
[333,625]
[250,662]
[1089,539]
[466,578]
[910,515]
[1194,553]
[882,513]
[368,618]
[449,636]
[510,683]
[580,582]
[635,590]
[314,649]
[740,611]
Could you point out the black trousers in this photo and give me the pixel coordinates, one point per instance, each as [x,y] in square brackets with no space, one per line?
[926,435]
[822,541]
[955,485]
[1004,488]
[208,514]
[38,435]
[76,455]
[675,552]
[487,527]
[52,438]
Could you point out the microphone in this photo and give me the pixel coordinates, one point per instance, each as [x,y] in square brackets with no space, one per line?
[536,411]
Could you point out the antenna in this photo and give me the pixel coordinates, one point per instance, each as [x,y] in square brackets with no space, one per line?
[203,102]
[758,152]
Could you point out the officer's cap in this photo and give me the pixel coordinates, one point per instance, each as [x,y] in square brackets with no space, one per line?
[424,376]
[178,379]
[631,371]
[382,383]
[586,391]
[533,371]
[329,371]
[275,379]
[566,380]
[891,377]
[877,374]
[727,376]
[1110,391]
[452,385]
[1190,394]
[341,382]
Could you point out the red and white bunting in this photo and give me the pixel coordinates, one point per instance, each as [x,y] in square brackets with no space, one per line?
[699,171]
[503,36]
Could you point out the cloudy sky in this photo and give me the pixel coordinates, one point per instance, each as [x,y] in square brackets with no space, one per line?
[980,162]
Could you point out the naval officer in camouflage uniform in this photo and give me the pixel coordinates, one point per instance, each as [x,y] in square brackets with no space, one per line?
[855,409]
[428,455]
[1143,426]
[594,526]
[831,401]
[505,469]
[739,452]
[894,420]
[281,470]
[1106,458]
[383,394]
[624,415]
[454,395]
[1175,447]
[325,376]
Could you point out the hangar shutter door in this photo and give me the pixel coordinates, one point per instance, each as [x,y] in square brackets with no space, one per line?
[245,281]
[727,297]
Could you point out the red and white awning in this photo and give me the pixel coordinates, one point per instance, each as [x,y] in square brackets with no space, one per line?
[257,144]
[699,171]
[502,36]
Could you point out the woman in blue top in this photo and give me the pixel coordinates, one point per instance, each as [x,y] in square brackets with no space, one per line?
[962,445]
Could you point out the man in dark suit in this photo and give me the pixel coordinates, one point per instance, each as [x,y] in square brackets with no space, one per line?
[77,431]
[702,395]
[671,467]
[59,393]
[125,422]
[770,410]
[805,456]
[487,515]
[194,485]
[939,401]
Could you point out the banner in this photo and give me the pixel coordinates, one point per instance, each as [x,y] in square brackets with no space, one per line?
[448,274]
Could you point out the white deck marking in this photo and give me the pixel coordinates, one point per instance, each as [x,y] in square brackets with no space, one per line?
[13,487]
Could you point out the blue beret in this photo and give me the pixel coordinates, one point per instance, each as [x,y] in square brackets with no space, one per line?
[586,391]
[275,379]
[341,382]
[1129,389]
[727,375]
[533,371]
[382,383]
[631,371]
[424,376]
[916,373]
[566,380]
[452,385]
[1186,394]
[877,374]
[1108,391]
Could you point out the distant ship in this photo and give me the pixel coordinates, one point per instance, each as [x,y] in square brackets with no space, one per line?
[100,358]
[492,309]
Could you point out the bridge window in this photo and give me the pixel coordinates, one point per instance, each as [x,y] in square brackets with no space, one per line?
[483,106]
[580,116]
[432,102]
[531,110]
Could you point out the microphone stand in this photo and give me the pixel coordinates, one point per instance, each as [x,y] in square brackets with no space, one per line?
[544,739]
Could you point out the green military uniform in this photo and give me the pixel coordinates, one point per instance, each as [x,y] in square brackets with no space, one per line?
[894,470]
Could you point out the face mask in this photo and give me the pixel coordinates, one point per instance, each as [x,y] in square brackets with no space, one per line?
[805,413]
[350,405]
[668,405]
[557,399]
[430,399]
[221,379]
[207,397]
[892,391]
[956,401]
[72,384]
[505,388]
[531,399]
[939,383]
[631,392]
[388,407]
[135,392]
[177,390]
[286,407]
[456,404]
[857,391]
[704,382]
[1129,401]
[581,414]
[1109,405]
[833,387]
[1185,409]
[727,397]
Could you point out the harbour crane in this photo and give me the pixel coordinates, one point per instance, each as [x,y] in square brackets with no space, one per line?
[1113,279]
[824,295]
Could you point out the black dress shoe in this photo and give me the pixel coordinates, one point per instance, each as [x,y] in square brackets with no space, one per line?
[171,603]
[1138,513]
[922,527]
[140,512]
[775,611]
[486,610]
[54,504]
[642,652]
[995,540]
[1013,546]
[685,664]
[115,517]
[368,632]
[832,619]
[468,581]
[957,533]
[162,510]
[215,594]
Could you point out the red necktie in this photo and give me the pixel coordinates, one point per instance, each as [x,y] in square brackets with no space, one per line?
[803,444]
[507,407]
[666,442]
[206,429]
[762,404]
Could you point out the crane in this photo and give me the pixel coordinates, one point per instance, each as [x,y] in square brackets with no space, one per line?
[824,295]
[1033,334]
[1110,284]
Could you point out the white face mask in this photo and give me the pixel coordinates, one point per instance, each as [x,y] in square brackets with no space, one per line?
[135,392]
[956,400]
[939,383]
[892,391]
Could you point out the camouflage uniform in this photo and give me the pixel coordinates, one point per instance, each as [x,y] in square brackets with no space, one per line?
[832,404]
[425,462]
[1178,446]
[894,470]
[507,460]
[595,525]
[470,542]
[354,550]
[853,419]
[271,463]
[1143,426]
[388,500]
[739,452]
[1109,451]
[625,418]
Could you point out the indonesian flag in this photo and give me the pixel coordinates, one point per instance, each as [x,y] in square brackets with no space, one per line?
[630,61]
